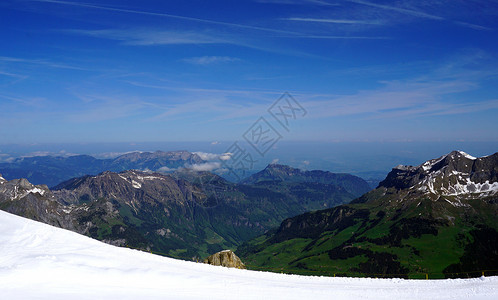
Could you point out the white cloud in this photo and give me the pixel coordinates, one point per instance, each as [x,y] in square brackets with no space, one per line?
[213,156]
[6,158]
[207,60]
[226,156]
[274,161]
[165,169]
[209,166]
[207,156]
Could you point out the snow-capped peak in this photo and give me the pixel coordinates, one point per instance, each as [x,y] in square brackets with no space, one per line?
[456,179]
[454,174]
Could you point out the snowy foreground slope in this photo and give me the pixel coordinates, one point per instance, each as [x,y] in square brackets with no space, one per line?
[38,261]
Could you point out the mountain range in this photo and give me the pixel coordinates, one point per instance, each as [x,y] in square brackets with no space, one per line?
[185,214]
[52,170]
[438,218]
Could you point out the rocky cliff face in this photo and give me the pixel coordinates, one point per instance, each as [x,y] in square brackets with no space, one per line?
[225,258]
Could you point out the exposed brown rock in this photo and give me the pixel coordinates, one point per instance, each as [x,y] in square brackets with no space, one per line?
[225,258]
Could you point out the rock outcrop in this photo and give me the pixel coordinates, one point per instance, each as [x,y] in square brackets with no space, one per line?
[225,258]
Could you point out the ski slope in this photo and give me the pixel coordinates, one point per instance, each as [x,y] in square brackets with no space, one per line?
[38,261]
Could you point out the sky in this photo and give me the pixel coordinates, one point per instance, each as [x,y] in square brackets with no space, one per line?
[191,70]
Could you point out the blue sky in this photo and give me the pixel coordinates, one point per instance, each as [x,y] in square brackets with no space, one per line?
[159,71]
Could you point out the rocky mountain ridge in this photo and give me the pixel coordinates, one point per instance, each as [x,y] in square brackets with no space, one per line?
[454,174]
[180,214]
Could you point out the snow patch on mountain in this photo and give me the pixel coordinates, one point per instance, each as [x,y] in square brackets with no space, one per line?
[466,155]
[471,187]
[136,179]
[429,164]
[455,184]
[449,182]
[36,190]
[135,184]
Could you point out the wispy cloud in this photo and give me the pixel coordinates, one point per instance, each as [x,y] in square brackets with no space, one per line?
[398,98]
[95,108]
[14,78]
[299,2]
[417,13]
[154,37]
[442,90]
[166,15]
[27,101]
[337,21]
[346,37]
[146,37]
[411,12]
[42,62]
[8,74]
[208,60]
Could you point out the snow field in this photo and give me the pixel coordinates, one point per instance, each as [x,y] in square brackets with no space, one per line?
[38,261]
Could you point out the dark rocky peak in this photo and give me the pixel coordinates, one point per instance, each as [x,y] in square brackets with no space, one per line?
[453,161]
[280,167]
[18,188]
[131,187]
[277,169]
[108,179]
[276,172]
[453,174]
[485,168]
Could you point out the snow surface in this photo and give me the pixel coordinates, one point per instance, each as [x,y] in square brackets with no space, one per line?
[467,155]
[38,261]
[35,190]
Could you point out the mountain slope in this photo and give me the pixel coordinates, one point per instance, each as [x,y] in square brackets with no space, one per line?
[438,218]
[282,173]
[44,262]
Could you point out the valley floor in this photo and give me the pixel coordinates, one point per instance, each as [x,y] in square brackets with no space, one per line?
[38,261]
